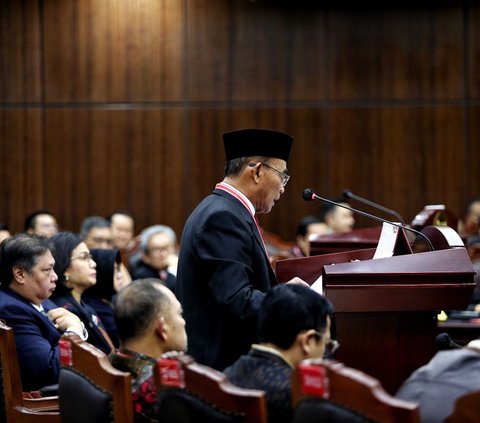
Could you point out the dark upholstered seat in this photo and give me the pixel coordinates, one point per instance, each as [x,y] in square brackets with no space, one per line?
[91,390]
[16,406]
[199,390]
[324,390]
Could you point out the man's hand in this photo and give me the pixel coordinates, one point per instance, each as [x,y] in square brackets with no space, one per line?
[63,319]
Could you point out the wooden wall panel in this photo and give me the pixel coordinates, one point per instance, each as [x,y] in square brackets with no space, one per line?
[103,160]
[263,51]
[473,53]
[112,51]
[389,53]
[123,104]
[21,172]
[472,167]
[20,53]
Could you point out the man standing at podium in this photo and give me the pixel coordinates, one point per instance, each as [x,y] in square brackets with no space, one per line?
[224,270]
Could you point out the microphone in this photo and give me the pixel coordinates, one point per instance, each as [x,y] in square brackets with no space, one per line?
[349,194]
[309,195]
[443,341]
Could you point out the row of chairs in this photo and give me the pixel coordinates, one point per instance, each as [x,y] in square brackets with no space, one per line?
[91,390]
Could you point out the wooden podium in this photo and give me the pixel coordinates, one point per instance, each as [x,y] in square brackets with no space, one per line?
[386,308]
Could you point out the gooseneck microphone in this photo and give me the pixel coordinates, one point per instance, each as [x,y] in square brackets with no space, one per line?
[349,194]
[309,195]
[443,341]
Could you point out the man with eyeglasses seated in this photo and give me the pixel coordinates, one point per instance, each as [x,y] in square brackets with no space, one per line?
[224,269]
[293,325]
[28,279]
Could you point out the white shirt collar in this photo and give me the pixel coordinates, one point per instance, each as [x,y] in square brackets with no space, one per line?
[251,208]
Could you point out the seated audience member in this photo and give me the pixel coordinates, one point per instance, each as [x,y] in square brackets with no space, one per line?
[157,245]
[470,225]
[436,386]
[28,279]
[95,232]
[41,222]
[294,324]
[122,228]
[337,218]
[109,282]
[4,232]
[150,323]
[309,225]
[76,272]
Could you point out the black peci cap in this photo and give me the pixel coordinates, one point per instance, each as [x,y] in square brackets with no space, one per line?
[257,142]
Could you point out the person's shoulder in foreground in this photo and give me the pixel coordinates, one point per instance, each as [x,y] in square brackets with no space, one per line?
[437,385]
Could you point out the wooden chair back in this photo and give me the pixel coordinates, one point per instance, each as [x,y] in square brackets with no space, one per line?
[14,404]
[467,409]
[350,389]
[90,388]
[213,389]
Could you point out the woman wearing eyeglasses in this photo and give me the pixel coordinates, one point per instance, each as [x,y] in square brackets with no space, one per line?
[76,272]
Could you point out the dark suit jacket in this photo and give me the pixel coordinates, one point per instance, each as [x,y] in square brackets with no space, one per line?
[267,372]
[144,271]
[35,337]
[223,275]
[439,383]
[89,318]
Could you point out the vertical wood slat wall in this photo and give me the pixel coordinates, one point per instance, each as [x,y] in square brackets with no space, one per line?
[121,104]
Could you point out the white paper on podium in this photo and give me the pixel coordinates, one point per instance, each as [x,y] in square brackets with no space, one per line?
[386,243]
[317,286]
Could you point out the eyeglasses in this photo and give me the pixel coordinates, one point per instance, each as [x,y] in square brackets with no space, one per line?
[285,176]
[331,346]
[84,256]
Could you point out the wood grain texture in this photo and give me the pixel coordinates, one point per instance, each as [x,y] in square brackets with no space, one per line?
[20,51]
[123,104]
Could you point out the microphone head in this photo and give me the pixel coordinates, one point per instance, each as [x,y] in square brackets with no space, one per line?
[443,341]
[347,193]
[308,194]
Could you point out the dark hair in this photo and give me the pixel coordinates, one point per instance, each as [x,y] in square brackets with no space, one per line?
[125,212]
[137,305]
[287,310]
[304,223]
[93,222]
[4,227]
[330,208]
[105,258]
[64,243]
[235,166]
[21,250]
[31,219]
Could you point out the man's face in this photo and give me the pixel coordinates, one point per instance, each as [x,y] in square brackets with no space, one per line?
[45,225]
[341,220]
[319,228]
[270,186]
[38,284]
[99,238]
[319,350]
[122,231]
[159,249]
[175,324]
